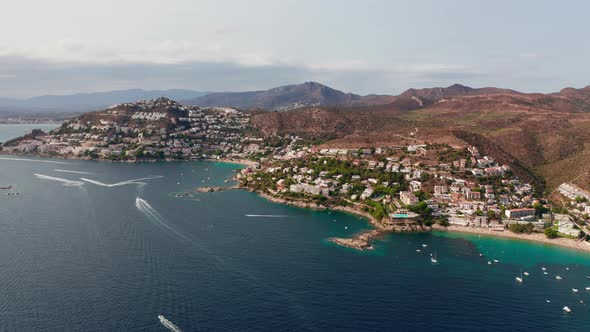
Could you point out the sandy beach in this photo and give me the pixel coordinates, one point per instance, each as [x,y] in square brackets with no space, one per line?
[362,241]
[536,237]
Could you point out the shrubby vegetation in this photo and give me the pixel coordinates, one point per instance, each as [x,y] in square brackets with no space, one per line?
[521,228]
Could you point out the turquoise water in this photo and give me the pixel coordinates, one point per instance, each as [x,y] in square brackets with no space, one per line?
[113,254]
[10,131]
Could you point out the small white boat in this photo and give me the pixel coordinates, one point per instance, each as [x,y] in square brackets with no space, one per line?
[424,245]
[519,279]
[581,302]
[345,227]
[567,309]
[587,288]
[480,254]
[558,277]
[545,272]
[489,263]
[526,273]
[544,268]
[567,268]
[418,250]
[433,259]
[547,301]
[496,261]
[575,290]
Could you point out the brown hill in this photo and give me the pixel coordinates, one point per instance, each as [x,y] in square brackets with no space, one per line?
[547,134]
[289,97]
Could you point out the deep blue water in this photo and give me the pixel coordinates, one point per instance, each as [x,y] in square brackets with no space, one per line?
[86,257]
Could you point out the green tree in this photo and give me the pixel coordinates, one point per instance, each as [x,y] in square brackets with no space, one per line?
[551,233]
[521,228]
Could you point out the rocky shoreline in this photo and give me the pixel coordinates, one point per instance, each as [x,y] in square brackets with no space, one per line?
[360,241]
[364,240]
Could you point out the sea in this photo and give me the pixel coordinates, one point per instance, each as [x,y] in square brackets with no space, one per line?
[9,131]
[95,246]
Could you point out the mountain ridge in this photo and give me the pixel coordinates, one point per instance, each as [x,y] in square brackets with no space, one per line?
[91,101]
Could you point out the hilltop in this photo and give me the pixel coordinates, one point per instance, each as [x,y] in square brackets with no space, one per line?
[542,133]
[289,97]
[84,102]
[539,135]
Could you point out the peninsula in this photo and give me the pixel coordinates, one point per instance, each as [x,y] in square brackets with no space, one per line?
[402,170]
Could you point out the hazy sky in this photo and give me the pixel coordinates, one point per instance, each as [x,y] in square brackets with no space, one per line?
[368,46]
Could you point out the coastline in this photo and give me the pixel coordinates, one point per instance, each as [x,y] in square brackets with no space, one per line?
[361,241]
[534,237]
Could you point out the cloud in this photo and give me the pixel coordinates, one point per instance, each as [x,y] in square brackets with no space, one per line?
[22,76]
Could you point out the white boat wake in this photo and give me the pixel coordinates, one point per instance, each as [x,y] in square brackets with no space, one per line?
[74,172]
[66,182]
[168,324]
[37,161]
[124,183]
[266,215]
[152,214]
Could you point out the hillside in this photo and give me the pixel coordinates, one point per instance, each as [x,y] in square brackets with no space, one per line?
[289,97]
[542,133]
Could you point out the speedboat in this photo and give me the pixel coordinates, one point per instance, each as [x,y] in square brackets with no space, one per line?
[496,261]
[567,309]
[558,277]
[526,273]
[418,250]
[489,263]
[575,290]
[433,259]
[544,268]
[545,272]
[424,245]
[519,279]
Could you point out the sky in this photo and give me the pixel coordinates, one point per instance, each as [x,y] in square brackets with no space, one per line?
[368,46]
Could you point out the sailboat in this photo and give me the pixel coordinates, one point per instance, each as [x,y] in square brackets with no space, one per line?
[519,279]
[433,259]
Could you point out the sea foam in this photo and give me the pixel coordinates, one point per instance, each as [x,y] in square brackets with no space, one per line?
[123,183]
[66,182]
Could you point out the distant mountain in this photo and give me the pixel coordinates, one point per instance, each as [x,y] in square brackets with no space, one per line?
[430,95]
[82,102]
[289,97]
[308,94]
